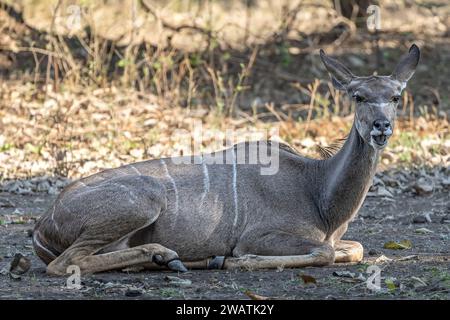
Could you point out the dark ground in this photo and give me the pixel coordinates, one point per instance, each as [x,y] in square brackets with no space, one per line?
[422,272]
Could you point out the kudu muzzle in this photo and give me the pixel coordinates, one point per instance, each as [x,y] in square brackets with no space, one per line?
[381,131]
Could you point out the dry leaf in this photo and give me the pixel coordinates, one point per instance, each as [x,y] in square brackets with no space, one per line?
[308,279]
[382,259]
[392,245]
[423,231]
[412,257]
[255,296]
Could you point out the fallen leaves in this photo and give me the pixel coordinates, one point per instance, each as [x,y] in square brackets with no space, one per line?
[392,245]
[423,231]
[308,279]
[255,296]
[108,127]
[383,259]
[390,284]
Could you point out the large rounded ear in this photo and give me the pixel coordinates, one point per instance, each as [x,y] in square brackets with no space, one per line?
[340,74]
[407,65]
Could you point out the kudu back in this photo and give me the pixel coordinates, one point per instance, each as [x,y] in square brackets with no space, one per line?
[166,214]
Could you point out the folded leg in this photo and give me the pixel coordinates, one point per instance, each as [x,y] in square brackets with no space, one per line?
[348,251]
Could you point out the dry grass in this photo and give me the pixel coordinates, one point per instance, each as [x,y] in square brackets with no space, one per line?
[81,131]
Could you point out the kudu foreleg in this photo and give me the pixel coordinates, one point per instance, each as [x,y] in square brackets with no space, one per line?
[120,259]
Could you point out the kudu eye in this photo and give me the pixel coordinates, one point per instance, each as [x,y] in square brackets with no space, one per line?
[396,99]
[359,98]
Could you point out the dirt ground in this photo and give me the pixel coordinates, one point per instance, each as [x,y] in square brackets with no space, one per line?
[421,272]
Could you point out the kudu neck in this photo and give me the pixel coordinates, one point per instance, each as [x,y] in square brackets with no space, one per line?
[348,176]
[355,150]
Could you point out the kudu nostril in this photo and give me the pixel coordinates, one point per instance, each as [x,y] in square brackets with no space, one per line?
[381,125]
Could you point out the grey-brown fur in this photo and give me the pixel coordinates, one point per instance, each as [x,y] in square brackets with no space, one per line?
[156,213]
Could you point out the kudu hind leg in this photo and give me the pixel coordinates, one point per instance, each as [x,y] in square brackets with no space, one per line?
[90,263]
[348,251]
[320,256]
[279,249]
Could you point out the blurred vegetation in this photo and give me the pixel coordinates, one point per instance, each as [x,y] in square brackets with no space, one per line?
[91,84]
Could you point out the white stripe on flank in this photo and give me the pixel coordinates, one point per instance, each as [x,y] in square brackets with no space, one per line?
[205,180]
[235,195]
[172,181]
[39,244]
[137,171]
[53,217]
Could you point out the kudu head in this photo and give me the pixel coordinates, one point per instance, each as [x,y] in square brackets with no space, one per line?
[376,97]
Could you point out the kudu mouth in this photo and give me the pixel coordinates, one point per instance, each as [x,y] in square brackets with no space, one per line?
[380,134]
[379,139]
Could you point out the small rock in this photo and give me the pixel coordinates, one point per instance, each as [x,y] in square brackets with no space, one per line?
[20,264]
[15,276]
[133,292]
[18,212]
[344,274]
[43,186]
[5,203]
[384,192]
[390,181]
[377,181]
[420,219]
[374,252]
[178,281]
[52,190]
[445,219]
[423,187]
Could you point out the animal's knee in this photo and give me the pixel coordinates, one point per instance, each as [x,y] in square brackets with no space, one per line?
[56,269]
[324,255]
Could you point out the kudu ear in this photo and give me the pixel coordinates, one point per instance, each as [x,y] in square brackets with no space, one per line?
[341,76]
[407,65]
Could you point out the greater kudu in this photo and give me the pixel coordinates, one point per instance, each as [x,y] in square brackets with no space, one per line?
[228,216]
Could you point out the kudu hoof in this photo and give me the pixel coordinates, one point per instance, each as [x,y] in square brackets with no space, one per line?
[176,265]
[216,263]
[159,260]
